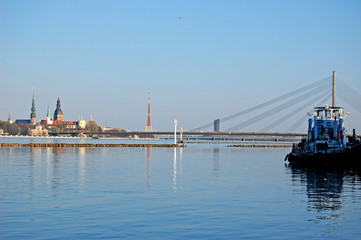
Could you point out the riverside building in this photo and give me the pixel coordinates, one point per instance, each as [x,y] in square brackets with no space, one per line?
[42,128]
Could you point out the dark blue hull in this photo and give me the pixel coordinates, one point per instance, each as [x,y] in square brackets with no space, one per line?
[350,157]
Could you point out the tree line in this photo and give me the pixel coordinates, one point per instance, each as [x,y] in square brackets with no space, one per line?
[14,129]
[11,129]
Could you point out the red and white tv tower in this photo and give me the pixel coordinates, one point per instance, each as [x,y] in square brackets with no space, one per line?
[148,127]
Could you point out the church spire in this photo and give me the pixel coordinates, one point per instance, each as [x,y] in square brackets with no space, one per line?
[58,114]
[9,119]
[48,117]
[48,113]
[33,112]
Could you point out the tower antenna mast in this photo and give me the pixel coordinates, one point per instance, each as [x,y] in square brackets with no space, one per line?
[148,126]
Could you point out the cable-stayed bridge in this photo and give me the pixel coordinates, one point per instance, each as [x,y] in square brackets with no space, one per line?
[288,111]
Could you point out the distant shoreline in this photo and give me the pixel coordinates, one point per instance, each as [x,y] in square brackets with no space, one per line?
[43,137]
[233,143]
[65,137]
[84,145]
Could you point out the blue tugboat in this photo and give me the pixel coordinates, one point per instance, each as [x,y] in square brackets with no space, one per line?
[326,142]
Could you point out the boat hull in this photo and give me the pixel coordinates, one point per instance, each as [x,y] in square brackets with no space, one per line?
[350,157]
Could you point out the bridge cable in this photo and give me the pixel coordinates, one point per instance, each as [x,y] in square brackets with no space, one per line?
[304,117]
[350,96]
[277,109]
[202,127]
[280,98]
[267,103]
[297,110]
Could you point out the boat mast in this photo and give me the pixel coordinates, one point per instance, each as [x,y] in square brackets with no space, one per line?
[334,89]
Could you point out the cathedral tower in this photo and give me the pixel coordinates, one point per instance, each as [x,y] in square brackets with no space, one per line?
[58,113]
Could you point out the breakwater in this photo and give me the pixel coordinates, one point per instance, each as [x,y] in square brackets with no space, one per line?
[87,145]
[261,145]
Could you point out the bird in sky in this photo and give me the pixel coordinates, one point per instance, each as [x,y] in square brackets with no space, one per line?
[179,18]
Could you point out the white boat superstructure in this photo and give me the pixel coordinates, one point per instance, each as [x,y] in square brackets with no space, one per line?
[326,131]
[326,141]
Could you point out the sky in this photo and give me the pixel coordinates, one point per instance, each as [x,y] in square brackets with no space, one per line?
[221,57]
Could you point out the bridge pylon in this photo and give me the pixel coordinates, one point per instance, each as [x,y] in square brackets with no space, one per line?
[217,125]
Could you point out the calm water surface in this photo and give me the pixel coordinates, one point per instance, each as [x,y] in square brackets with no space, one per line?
[204,191]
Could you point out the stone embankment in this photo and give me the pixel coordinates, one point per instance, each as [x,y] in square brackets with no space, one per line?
[78,145]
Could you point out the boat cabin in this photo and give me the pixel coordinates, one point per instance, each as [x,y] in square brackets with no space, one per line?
[327,125]
[328,113]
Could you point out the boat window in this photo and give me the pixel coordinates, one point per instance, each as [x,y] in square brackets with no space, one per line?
[328,114]
[319,114]
[336,114]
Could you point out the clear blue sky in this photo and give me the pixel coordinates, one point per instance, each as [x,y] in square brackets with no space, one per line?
[100,57]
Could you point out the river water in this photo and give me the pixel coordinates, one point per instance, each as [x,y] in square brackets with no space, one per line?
[203,191]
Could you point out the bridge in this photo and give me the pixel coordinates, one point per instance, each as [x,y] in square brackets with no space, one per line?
[213,136]
[289,111]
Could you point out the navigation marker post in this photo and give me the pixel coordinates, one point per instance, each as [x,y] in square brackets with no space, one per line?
[181,133]
[175,130]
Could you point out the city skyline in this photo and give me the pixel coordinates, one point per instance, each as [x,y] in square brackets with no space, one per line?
[203,60]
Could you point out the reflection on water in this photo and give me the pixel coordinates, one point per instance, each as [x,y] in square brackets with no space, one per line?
[197,192]
[215,162]
[148,152]
[175,173]
[47,166]
[175,169]
[52,164]
[324,191]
